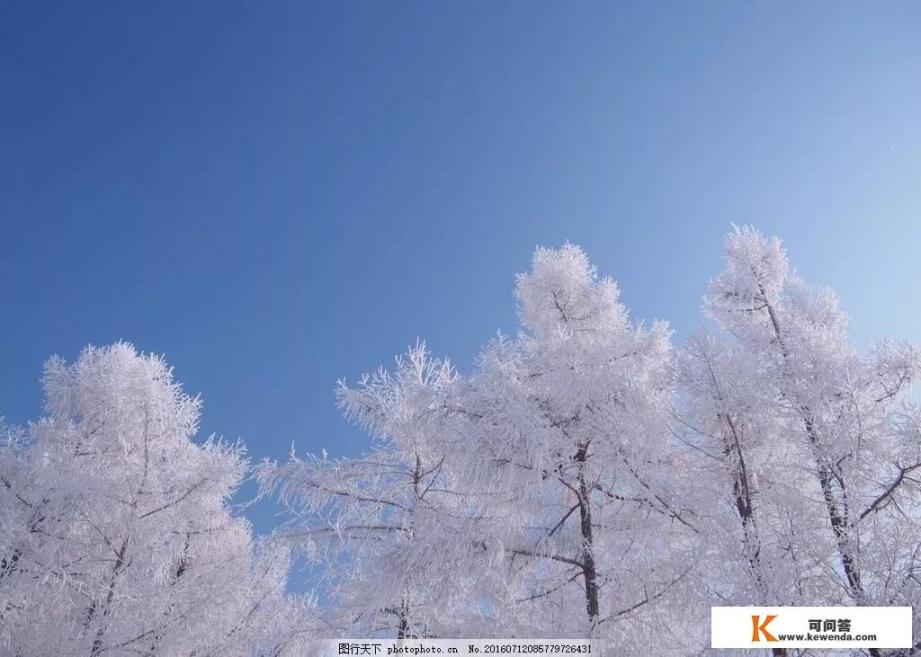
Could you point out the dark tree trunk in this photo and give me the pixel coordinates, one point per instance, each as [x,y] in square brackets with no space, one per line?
[589,570]
[110,595]
[838,513]
[403,631]
[741,488]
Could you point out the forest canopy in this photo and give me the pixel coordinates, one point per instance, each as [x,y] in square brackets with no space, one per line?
[588,478]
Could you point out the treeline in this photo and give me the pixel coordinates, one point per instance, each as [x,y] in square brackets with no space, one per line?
[586,479]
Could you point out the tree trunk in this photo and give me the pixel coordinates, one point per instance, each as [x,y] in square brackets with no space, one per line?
[838,513]
[589,571]
[741,488]
[403,631]
[110,595]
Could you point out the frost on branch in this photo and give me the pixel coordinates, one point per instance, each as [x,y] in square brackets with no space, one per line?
[396,516]
[117,535]
[838,416]
[584,480]
[572,440]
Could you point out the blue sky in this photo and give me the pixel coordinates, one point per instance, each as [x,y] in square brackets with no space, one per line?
[276,195]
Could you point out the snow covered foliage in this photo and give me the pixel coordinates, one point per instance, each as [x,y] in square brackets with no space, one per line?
[839,411]
[115,533]
[536,492]
[571,427]
[816,444]
[585,479]
[391,530]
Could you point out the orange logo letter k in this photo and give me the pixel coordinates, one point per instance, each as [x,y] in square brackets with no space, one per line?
[762,628]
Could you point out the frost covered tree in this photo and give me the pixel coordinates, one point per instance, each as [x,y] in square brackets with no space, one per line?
[571,429]
[534,498]
[846,434]
[583,481]
[116,537]
[756,532]
[389,530]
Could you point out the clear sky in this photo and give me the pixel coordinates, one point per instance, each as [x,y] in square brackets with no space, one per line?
[276,195]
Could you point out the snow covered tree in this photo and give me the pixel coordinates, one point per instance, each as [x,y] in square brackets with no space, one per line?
[583,481]
[758,536]
[843,418]
[390,530]
[116,537]
[535,494]
[571,423]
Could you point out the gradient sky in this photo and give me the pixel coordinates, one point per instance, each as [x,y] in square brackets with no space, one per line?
[276,195]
